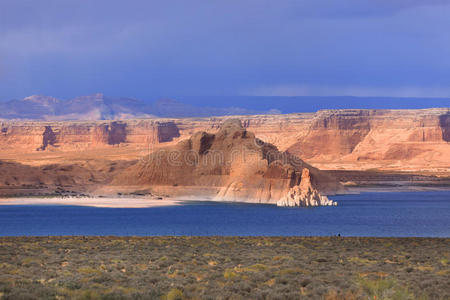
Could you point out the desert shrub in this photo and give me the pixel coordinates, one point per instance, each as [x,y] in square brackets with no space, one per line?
[443,272]
[209,268]
[295,270]
[282,258]
[386,288]
[241,288]
[103,278]
[348,295]
[88,271]
[89,295]
[362,261]
[305,282]
[174,294]
[72,285]
[229,274]
[256,268]
[425,268]
[29,291]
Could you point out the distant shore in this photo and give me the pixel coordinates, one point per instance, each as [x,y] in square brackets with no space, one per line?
[132,201]
[110,202]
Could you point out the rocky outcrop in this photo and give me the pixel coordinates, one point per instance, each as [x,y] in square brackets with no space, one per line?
[48,138]
[305,194]
[230,165]
[167,131]
[444,123]
[405,140]
[412,142]
[333,133]
[75,177]
[117,133]
[28,137]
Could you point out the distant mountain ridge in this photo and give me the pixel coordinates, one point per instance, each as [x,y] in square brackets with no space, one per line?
[100,107]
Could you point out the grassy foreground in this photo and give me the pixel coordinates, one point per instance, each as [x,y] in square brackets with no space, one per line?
[224,268]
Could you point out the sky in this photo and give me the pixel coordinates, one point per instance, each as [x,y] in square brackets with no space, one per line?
[146,49]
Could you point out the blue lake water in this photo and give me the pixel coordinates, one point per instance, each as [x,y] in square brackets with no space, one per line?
[421,214]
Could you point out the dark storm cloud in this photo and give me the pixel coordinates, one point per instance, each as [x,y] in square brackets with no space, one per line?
[169,48]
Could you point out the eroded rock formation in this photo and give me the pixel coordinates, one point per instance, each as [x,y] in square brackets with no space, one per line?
[230,165]
[304,194]
[167,131]
[18,179]
[406,145]
[333,133]
[405,140]
[48,138]
[117,133]
[444,122]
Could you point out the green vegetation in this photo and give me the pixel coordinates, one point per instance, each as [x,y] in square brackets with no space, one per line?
[223,268]
[384,289]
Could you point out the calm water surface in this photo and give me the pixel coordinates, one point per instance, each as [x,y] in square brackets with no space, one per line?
[424,214]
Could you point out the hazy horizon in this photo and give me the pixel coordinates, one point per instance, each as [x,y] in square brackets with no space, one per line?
[288,104]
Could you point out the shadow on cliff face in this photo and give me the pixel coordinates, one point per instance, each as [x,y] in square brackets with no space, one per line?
[231,165]
[117,133]
[48,138]
[167,132]
[333,134]
[444,123]
[18,179]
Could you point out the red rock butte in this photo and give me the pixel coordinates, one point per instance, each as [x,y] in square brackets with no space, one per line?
[230,165]
[91,153]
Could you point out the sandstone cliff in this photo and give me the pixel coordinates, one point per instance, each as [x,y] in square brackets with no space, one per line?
[364,147]
[230,165]
[74,177]
[358,135]
[405,140]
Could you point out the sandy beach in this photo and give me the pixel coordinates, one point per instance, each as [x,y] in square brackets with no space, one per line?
[95,202]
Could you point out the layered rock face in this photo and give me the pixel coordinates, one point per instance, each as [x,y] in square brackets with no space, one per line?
[230,165]
[333,133]
[375,135]
[305,194]
[410,143]
[444,123]
[406,140]
[78,177]
[28,137]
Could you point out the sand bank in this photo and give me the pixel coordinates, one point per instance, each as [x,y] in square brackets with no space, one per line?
[95,202]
